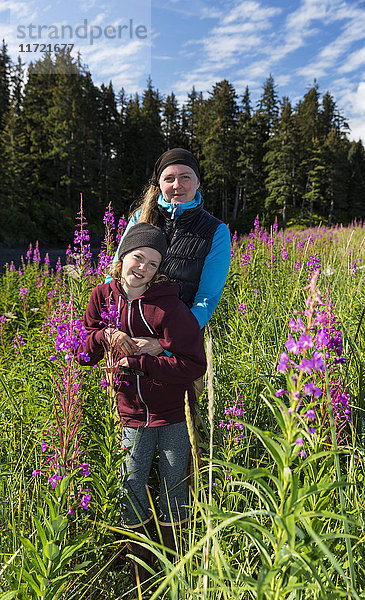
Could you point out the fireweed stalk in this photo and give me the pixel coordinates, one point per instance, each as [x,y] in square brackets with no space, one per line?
[82,253]
[107,250]
[61,444]
[316,346]
[108,484]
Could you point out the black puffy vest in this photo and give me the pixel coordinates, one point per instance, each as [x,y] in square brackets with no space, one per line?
[189,240]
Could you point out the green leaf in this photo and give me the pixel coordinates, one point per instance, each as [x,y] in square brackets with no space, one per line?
[59,524]
[29,579]
[51,550]
[41,532]
[8,595]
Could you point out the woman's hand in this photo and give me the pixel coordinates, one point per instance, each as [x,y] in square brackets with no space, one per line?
[121,341]
[148,346]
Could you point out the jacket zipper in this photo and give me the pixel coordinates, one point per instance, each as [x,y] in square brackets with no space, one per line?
[137,376]
[143,317]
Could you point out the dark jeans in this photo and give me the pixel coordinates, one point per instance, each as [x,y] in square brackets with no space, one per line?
[173,444]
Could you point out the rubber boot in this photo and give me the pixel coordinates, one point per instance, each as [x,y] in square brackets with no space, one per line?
[141,574]
[168,538]
[172,534]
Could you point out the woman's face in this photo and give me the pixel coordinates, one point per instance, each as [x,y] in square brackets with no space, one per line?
[138,268]
[178,183]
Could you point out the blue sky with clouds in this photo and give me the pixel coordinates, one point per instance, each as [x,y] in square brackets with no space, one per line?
[182,43]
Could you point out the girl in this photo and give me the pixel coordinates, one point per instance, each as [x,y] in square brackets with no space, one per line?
[151,396]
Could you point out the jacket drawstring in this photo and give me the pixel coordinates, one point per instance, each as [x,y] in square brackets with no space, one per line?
[143,317]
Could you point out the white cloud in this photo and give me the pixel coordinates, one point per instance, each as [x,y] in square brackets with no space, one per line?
[131,62]
[357,127]
[353,61]
[329,57]
[235,39]
[351,100]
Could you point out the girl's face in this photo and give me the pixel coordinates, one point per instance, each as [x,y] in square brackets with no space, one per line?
[178,183]
[138,268]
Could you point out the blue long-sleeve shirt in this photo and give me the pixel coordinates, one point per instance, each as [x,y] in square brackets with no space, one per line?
[216,264]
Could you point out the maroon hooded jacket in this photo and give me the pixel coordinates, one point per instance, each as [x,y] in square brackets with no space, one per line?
[155,396]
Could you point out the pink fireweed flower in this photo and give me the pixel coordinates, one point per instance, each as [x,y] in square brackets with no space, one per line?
[284,253]
[18,342]
[317,361]
[121,228]
[245,259]
[36,472]
[108,219]
[85,500]
[54,480]
[36,255]
[270,263]
[283,362]
[292,345]
[306,341]
[110,316]
[280,392]
[311,415]
[43,446]
[23,292]
[85,469]
[322,339]
[296,325]
[84,357]
[299,441]
[242,308]
[311,390]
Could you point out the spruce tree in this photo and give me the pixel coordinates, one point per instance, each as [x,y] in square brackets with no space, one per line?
[268,104]
[151,128]
[109,146]
[192,115]
[335,154]
[4,83]
[356,195]
[316,178]
[171,123]
[218,135]
[281,164]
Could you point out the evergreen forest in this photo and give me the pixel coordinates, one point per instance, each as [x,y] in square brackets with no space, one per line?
[60,135]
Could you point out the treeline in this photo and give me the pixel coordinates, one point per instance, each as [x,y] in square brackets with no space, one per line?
[60,135]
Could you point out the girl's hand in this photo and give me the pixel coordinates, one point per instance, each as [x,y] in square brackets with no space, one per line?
[148,346]
[121,341]
[123,362]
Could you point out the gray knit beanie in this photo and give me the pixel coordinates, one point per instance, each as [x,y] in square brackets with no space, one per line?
[143,235]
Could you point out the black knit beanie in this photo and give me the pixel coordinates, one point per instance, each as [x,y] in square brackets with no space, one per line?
[140,235]
[176,156]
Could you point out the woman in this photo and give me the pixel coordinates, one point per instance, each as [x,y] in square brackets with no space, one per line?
[198,244]
[150,389]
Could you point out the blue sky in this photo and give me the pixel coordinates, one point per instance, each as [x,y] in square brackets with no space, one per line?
[182,43]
